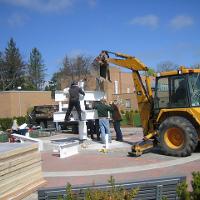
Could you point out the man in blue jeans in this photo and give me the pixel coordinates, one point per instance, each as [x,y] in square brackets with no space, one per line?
[104,125]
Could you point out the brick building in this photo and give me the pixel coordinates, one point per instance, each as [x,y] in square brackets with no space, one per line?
[121,88]
[17,103]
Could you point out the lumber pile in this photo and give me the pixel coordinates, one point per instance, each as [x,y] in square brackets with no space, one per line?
[20,170]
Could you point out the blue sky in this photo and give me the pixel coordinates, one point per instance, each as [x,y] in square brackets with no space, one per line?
[152,30]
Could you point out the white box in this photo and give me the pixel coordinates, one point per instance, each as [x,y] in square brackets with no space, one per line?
[66,149]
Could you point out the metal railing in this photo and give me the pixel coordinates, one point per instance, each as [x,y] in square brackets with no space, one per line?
[154,189]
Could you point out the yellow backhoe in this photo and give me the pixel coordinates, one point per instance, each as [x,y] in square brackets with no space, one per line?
[171,117]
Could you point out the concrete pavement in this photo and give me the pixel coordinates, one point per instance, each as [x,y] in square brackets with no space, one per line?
[91,166]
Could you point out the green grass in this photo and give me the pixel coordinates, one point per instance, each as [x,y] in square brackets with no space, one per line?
[136,121]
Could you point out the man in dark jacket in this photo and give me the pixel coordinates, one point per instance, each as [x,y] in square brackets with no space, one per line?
[74,101]
[102,110]
[116,116]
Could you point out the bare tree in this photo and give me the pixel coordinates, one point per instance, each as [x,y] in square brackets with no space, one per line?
[76,68]
[196,66]
[166,66]
[82,66]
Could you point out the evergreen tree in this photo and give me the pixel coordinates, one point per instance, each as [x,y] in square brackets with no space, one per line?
[36,69]
[55,82]
[12,69]
[67,69]
[2,71]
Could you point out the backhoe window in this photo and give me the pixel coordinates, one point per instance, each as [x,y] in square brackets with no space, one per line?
[194,84]
[161,99]
[179,92]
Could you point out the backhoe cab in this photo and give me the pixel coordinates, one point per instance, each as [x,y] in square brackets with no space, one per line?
[170,119]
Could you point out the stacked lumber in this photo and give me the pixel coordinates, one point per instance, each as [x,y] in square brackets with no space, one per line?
[20,170]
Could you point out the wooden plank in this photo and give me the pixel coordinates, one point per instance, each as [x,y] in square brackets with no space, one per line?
[20,167]
[23,192]
[18,163]
[21,184]
[18,150]
[20,158]
[21,180]
[24,170]
[25,173]
[16,154]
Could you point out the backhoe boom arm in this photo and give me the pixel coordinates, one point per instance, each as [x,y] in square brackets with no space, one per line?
[127,61]
[144,94]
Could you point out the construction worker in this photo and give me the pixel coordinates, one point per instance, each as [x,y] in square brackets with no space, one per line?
[74,101]
[102,110]
[180,96]
[116,116]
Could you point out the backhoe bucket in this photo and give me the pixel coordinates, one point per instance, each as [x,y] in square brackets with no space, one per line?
[141,147]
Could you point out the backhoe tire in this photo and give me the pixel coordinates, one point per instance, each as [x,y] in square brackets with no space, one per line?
[177,137]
